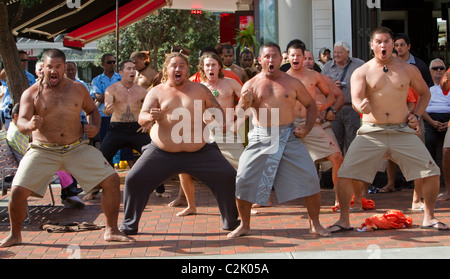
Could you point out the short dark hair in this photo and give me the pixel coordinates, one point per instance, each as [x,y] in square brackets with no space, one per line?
[71,62]
[382,30]
[15,110]
[122,64]
[54,53]
[246,51]
[297,45]
[269,44]
[403,36]
[295,42]
[106,55]
[226,46]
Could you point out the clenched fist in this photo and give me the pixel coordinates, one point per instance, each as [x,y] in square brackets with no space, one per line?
[36,122]
[155,113]
[90,130]
[247,96]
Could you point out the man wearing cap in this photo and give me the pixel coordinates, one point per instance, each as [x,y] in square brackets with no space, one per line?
[324,57]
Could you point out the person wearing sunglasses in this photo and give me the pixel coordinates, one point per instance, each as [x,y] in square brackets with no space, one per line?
[7,101]
[437,117]
[99,85]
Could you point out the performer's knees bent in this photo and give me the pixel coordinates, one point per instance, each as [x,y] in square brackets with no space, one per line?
[112,181]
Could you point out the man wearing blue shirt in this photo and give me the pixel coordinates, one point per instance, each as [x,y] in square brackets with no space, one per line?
[98,88]
[7,100]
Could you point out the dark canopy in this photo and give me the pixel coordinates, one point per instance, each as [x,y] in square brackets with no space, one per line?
[51,18]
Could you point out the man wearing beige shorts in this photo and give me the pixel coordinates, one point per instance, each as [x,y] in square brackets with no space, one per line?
[320,145]
[50,111]
[379,91]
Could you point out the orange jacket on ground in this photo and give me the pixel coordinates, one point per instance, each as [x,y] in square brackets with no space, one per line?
[393,219]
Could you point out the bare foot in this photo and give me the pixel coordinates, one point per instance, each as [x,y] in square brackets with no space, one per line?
[417,206]
[180,200]
[239,231]
[254,212]
[187,211]
[387,189]
[11,241]
[163,195]
[258,205]
[90,196]
[443,197]
[319,230]
[117,236]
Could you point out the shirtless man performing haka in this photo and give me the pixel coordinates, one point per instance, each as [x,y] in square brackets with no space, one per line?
[379,91]
[320,145]
[225,90]
[123,101]
[50,110]
[174,151]
[287,167]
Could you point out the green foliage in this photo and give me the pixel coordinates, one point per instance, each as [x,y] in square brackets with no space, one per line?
[245,38]
[30,3]
[160,33]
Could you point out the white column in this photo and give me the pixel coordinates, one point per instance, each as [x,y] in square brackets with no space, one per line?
[294,22]
[343,21]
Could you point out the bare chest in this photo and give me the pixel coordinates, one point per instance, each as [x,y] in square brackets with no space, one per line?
[223,93]
[128,98]
[310,84]
[178,102]
[56,102]
[395,80]
[272,93]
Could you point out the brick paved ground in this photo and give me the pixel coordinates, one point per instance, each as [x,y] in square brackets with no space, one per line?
[280,228]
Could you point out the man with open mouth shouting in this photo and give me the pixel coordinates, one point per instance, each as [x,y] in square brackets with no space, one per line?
[176,106]
[388,129]
[50,110]
[225,90]
[123,101]
[275,157]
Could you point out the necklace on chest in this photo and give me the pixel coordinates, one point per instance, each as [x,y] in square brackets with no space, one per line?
[213,88]
[127,87]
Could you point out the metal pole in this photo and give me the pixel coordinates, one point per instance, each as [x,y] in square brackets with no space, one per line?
[117,35]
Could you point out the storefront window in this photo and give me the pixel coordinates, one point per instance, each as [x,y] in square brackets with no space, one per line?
[268,21]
